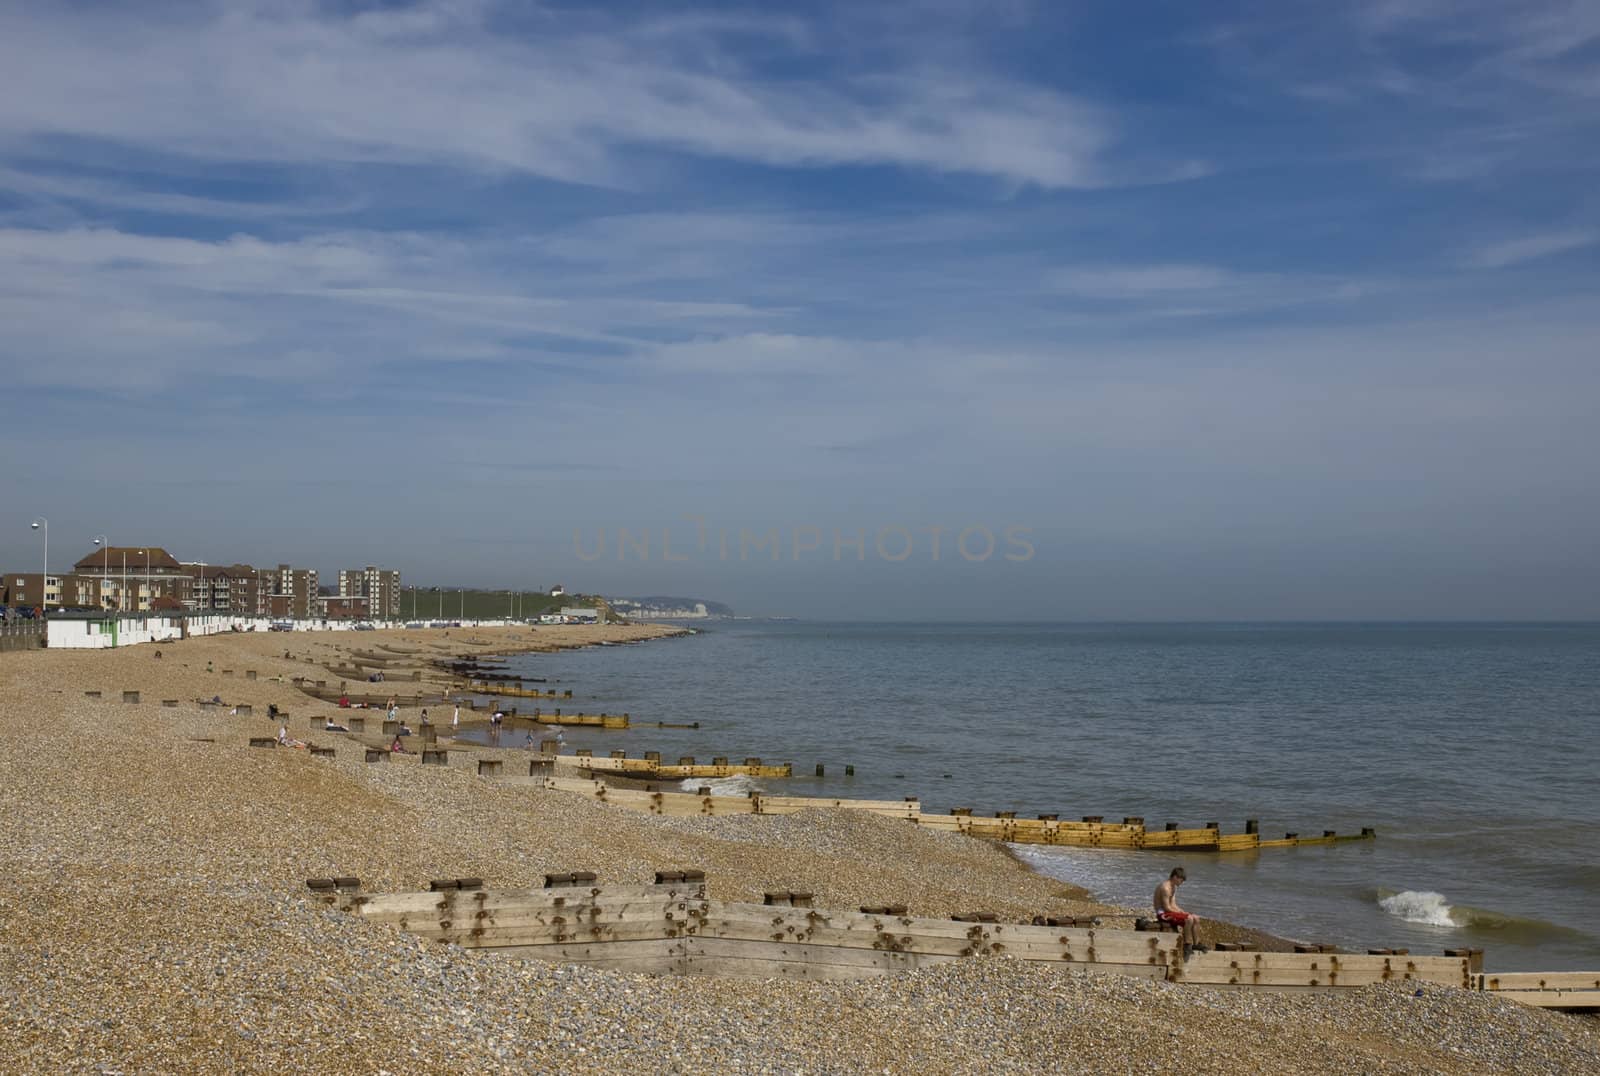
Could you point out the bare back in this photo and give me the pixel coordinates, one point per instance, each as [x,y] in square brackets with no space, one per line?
[1163,897]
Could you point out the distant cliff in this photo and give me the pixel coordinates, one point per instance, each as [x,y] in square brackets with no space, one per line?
[665,607]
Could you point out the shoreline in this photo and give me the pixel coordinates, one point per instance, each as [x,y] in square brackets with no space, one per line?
[159,919]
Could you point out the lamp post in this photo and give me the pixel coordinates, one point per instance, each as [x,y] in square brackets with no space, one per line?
[146,582]
[123,597]
[44,577]
[105,566]
[463,604]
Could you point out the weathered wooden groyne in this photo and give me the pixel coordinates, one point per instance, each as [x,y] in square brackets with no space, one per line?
[1091,832]
[674,927]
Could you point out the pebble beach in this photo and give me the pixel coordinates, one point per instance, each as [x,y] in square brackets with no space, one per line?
[157,918]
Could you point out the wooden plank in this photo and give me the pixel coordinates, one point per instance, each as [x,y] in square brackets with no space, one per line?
[467,916]
[1552,999]
[1345,971]
[1326,977]
[1335,961]
[860,930]
[539,924]
[1018,947]
[536,935]
[1542,980]
[804,803]
[794,804]
[569,896]
[657,957]
[678,804]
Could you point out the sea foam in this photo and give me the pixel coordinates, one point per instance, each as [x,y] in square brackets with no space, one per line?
[1419,907]
[738,785]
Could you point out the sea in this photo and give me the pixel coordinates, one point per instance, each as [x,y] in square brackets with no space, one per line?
[1472,749]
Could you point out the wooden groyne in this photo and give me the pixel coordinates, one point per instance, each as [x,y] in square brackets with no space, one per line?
[1548,989]
[593,721]
[1092,832]
[673,927]
[484,687]
[653,767]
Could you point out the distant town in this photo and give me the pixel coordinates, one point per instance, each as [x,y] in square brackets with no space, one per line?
[149,580]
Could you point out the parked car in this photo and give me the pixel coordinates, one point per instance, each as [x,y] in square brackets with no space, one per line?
[281,625]
[365,627]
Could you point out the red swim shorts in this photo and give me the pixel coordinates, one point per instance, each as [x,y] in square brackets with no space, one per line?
[1178,918]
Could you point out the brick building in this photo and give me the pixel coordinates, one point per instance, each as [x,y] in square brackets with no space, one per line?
[380,586]
[237,589]
[126,578]
[293,592]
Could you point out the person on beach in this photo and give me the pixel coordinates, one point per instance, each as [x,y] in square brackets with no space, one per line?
[425,720]
[1167,911]
[397,747]
[329,726]
[455,718]
[344,702]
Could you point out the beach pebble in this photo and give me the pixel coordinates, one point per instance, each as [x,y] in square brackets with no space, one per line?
[157,918]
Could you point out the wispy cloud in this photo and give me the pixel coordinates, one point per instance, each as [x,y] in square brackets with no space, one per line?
[438,83]
[1530,247]
[1488,89]
[1183,290]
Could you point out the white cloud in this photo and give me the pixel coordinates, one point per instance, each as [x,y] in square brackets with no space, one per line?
[1527,248]
[440,83]
[1178,290]
[50,189]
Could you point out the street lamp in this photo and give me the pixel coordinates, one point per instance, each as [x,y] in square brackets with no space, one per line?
[105,567]
[44,577]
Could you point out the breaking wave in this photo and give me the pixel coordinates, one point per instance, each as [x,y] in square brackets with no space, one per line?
[1420,907]
[739,785]
[1432,909]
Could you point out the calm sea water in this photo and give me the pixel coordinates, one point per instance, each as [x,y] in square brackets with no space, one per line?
[1474,750]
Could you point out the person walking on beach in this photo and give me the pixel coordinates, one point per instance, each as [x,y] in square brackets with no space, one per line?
[1167,911]
[455,718]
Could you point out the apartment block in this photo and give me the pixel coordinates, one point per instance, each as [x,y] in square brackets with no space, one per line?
[128,579]
[380,586]
[294,592]
[237,589]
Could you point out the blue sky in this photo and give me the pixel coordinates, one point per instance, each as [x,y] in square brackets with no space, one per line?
[1241,310]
